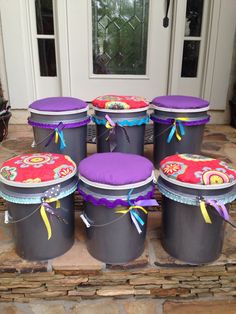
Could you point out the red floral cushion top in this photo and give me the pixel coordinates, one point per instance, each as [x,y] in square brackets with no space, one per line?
[195,169]
[35,169]
[120,102]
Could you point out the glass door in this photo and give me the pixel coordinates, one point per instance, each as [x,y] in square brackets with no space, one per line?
[118,47]
[192,41]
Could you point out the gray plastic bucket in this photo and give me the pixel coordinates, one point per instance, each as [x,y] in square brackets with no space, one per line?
[185,234]
[74,130]
[128,133]
[112,237]
[190,142]
[29,231]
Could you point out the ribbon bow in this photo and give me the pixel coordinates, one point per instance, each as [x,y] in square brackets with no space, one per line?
[45,207]
[219,207]
[58,133]
[111,126]
[134,206]
[174,130]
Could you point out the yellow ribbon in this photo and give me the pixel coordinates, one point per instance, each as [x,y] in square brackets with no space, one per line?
[204,212]
[182,119]
[176,132]
[108,125]
[45,217]
[178,136]
[56,137]
[125,211]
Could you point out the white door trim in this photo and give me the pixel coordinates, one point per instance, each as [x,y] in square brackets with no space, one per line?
[62,46]
[221,45]
[186,85]
[19,69]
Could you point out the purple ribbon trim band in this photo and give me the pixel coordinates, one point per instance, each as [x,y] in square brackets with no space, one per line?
[53,126]
[112,204]
[186,123]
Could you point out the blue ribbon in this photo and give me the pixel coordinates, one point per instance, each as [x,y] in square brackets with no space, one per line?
[129,196]
[171,134]
[62,140]
[137,217]
[59,131]
[174,130]
[181,127]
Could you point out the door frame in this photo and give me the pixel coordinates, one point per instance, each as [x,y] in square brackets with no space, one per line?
[16,34]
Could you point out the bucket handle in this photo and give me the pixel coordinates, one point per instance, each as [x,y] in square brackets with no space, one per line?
[220,209]
[132,210]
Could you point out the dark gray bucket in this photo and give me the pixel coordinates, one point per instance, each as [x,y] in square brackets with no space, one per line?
[74,130]
[112,237]
[128,133]
[190,142]
[29,231]
[185,234]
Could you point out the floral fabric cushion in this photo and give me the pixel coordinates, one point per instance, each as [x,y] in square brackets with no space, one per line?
[196,169]
[37,168]
[120,102]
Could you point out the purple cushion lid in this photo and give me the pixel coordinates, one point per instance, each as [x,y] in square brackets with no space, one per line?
[115,168]
[180,102]
[58,104]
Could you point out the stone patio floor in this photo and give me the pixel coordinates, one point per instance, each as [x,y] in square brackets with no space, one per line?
[157,283]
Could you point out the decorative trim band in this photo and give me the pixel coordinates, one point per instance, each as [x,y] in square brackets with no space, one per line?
[37,198]
[113,203]
[135,122]
[54,125]
[185,123]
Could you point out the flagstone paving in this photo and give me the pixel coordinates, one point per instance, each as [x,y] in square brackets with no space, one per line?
[219,279]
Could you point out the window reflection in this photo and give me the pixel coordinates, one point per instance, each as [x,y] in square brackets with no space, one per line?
[190,58]
[47,57]
[194,13]
[44,17]
[120,36]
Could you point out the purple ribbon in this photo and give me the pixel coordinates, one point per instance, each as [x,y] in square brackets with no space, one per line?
[49,209]
[52,126]
[143,203]
[186,123]
[220,208]
[58,129]
[112,137]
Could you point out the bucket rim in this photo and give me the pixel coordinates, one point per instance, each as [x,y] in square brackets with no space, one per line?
[118,187]
[120,110]
[197,186]
[191,110]
[38,184]
[35,198]
[58,113]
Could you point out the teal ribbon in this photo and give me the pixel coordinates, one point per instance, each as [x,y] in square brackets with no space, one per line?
[62,140]
[137,217]
[133,212]
[174,130]
[134,122]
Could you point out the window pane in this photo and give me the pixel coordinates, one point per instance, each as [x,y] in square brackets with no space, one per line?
[190,58]
[194,12]
[120,36]
[47,57]
[44,16]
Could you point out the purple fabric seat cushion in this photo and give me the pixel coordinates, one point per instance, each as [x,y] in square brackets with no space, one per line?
[180,102]
[57,104]
[115,168]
